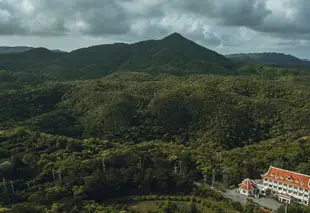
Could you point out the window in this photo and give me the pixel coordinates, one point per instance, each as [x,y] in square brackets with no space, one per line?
[289,178]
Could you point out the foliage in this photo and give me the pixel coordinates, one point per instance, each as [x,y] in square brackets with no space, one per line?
[75,145]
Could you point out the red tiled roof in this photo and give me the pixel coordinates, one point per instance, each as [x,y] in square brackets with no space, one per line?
[288,177]
[266,210]
[248,184]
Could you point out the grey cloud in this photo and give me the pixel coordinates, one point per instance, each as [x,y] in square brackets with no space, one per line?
[227,12]
[10,22]
[293,21]
[94,17]
[213,23]
[104,17]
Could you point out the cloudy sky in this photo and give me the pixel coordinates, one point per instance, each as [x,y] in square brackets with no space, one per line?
[227,26]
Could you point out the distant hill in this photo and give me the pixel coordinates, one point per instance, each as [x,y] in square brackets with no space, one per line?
[173,54]
[14,49]
[270,58]
[20,49]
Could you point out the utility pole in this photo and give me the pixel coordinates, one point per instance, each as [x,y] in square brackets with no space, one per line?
[286,206]
[225,177]
[103,165]
[205,178]
[53,171]
[175,169]
[220,160]
[59,175]
[12,186]
[28,185]
[180,165]
[213,178]
[4,184]
[140,163]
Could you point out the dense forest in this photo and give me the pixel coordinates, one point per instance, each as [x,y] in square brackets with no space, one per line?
[110,139]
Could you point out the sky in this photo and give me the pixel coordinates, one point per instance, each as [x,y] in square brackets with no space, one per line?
[226,26]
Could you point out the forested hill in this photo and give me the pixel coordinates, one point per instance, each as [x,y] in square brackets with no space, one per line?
[269,58]
[135,123]
[173,54]
[68,128]
[14,49]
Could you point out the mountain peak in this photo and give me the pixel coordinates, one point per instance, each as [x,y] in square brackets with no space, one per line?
[174,35]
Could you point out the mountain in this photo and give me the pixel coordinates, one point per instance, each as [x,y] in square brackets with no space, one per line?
[173,54]
[21,49]
[57,50]
[14,49]
[269,58]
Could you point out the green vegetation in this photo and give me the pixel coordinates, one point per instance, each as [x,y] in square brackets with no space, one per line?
[76,138]
[173,54]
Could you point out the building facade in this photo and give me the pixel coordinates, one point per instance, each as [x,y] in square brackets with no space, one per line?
[288,186]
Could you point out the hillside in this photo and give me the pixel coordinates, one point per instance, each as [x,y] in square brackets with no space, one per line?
[173,54]
[117,127]
[70,127]
[272,59]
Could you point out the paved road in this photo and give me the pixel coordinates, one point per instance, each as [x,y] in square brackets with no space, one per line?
[265,202]
[236,196]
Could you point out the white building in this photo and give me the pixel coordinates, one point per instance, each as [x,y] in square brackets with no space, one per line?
[248,188]
[288,186]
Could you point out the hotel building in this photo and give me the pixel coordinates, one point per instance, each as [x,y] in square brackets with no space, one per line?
[288,186]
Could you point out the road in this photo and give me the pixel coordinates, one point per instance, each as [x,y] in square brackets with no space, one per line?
[236,196]
[265,202]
